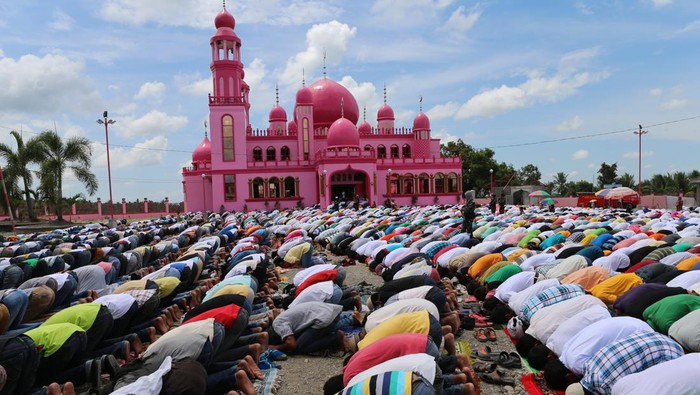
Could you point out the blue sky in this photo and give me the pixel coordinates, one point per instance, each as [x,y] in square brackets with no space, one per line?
[494,73]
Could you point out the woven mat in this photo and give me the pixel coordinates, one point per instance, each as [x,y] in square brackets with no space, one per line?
[270,383]
[535,384]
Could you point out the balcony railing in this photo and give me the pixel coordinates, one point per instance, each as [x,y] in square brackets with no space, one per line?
[226,100]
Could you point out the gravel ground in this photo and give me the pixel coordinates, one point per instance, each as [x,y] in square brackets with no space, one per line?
[306,375]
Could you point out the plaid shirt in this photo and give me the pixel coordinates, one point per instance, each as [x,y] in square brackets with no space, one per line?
[629,355]
[549,297]
[436,248]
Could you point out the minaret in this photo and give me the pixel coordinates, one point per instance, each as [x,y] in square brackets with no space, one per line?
[304,116]
[385,117]
[228,103]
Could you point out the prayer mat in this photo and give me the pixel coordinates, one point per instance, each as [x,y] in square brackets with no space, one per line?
[523,360]
[269,384]
[463,347]
[535,384]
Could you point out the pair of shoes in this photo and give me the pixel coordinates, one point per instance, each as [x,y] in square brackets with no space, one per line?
[109,365]
[484,353]
[490,334]
[483,367]
[93,373]
[510,361]
[480,335]
[497,377]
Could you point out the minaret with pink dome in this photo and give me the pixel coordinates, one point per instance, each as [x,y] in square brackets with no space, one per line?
[319,156]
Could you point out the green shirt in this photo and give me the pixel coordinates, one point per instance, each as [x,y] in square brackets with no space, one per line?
[82,315]
[52,337]
[504,273]
[662,314]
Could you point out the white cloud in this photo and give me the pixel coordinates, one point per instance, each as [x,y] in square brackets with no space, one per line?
[254,73]
[459,22]
[694,25]
[61,21]
[661,3]
[536,89]
[150,124]
[331,37]
[580,154]
[151,90]
[445,136]
[48,84]
[571,124]
[635,154]
[407,12]
[656,92]
[200,13]
[146,153]
[575,59]
[674,104]
[365,94]
[194,84]
[442,111]
[583,8]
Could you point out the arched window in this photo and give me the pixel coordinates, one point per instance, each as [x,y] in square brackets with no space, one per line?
[381,151]
[275,186]
[284,153]
[408,184]
[423,183]
[258,188]
[257,154]
[394,151]
[227,136]
[305,137]
[406,151]
[271,154]
[368,147]
[452,182]
[290,189]
[439,183]
[393,184]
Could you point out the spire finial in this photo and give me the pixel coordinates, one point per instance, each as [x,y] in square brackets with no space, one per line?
[205,130]
[364,112]
[277,94]
[324,64]
[342,110]
[224,4]
[385,93]
[420,101]
[303,77]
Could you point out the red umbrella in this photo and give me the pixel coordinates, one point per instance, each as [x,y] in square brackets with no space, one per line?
[620,193]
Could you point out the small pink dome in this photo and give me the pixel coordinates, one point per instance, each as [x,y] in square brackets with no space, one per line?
[343,133]
[203,151]
[421,122]
[385,112]
[365,128]
[278,114]
[292,125]
[304,96]
[224,19]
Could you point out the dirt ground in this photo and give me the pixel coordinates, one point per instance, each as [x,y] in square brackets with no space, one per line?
[306,375]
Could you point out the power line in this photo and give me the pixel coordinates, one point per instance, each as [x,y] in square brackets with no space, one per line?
[590,135]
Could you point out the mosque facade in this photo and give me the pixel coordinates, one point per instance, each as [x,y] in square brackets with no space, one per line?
[315,156]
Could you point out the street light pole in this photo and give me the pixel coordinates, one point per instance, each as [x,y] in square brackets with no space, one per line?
[204,192]
[639,174]
[108,122]
[491,182]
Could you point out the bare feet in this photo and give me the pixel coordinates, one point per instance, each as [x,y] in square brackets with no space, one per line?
[254,351]
[257,373]
[136,345]
[244,384]
[161,326]
[151,334]
[55,389]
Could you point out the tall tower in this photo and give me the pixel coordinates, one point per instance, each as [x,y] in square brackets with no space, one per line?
[228,104]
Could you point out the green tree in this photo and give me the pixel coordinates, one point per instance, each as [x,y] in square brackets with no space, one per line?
[475,164]
[607,174]
[679,182]
[579,186]
[59,156]
[627,180]
[560,181]
[529,175]
[658,184]
[17,167]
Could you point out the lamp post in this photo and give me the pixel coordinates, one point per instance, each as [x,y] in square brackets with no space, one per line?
[388,177]
[490,182]
[639,174]
[106,121]
[204,193]
[323,182]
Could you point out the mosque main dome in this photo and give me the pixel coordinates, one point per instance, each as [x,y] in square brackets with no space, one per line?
[326,99]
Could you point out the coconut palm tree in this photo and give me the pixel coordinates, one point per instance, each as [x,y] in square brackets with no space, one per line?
[560,180]
[17,167]
[679,182]
[72,154]
[627,180]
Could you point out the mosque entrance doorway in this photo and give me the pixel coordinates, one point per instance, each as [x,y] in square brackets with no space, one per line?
[348,183]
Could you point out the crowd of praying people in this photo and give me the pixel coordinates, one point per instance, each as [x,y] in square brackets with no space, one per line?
[600,301]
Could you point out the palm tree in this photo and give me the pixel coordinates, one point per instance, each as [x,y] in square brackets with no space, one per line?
[627,180]
[17,167]
[74,154]
[658,184]
[679,182]
[560,180]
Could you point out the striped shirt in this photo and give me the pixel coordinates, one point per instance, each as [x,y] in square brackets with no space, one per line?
[387,383]
[626,356]
[549,297]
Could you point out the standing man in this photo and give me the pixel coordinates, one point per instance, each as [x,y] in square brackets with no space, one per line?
[502,203]
[492,203]
[468,212]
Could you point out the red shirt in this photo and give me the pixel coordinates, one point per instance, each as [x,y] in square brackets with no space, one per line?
[326,275]
[225,315]
[382,350]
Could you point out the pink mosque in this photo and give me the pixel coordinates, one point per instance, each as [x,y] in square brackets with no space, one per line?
[315,156]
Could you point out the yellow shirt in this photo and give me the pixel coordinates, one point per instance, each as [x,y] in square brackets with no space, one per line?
[295,253]
[688,264]
[236,289]
[588,239]
[482,264]
[416,322]
[133,285]
[608,290]
[166,285]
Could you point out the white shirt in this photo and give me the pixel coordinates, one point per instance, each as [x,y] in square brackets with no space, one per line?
[582,346]
[518,300]
[513,285]
[685,280]
[676,258]
[318,292]
[118,304]
[444,259]
[422,364]
[402,306]
[547,319]
[395,255]
[612,262]
[148,385]
[680,376]
[537,260]
[573,325]
[412,293]
[302,275]
[420,268]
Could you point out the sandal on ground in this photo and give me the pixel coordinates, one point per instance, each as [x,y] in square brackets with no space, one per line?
[480,335]
[497,377]
[490,334]
[510,361]
[483,324]
[484,353]
[484,367]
